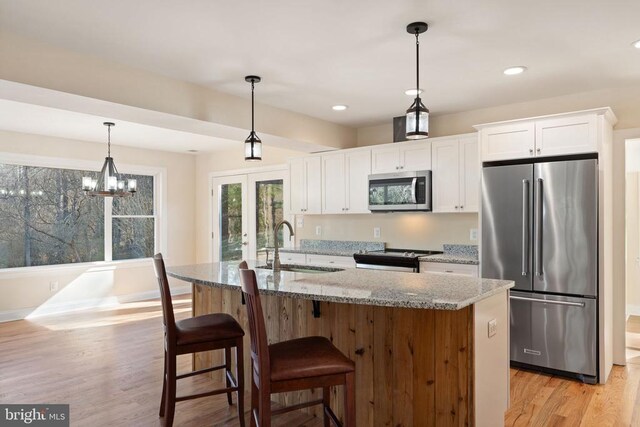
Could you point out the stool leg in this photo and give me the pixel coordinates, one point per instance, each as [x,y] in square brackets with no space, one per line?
[349,400]
[326,403]
[171,389]
[265,407]
[255,406]
[164,385]
[227,371]
[240,380]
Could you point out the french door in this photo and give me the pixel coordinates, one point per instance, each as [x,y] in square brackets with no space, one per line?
[246,208]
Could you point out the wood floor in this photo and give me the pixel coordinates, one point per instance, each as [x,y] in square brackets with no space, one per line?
[107,365]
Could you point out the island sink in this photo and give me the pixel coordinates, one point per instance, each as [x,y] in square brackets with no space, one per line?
[294,268]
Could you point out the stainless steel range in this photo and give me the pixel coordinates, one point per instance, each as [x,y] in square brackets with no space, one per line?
[407,260]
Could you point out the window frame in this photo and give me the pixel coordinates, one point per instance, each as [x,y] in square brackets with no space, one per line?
[160,208]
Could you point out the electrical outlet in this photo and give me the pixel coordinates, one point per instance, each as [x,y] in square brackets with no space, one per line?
[53,286]
[318,230]
[473,234]
[299,221]
[492,327]
[376,232]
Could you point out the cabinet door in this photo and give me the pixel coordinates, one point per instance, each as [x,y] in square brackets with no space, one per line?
[358,169]
[297,185]
[445,176]
[469,175]
[449,268]
[385,159]
[313,187]
[333,184]
[416,156]
[567,135]
[511,141]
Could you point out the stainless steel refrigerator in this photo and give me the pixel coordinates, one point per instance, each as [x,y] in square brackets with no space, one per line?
[540,229]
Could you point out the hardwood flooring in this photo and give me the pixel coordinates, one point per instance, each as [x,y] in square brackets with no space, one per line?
[107,364]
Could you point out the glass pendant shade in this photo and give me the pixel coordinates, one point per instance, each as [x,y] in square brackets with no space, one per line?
[417,126]
[253,147]
[109,182]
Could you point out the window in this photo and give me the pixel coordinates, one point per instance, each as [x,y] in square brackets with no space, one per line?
[45,219]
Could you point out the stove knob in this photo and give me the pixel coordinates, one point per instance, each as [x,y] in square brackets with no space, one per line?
[406,254]
[412,254]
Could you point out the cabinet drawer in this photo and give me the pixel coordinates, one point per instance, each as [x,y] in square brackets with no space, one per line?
[331,261]
[450,268]
[293,258]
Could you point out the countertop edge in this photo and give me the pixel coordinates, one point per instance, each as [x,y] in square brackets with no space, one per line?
[346,300]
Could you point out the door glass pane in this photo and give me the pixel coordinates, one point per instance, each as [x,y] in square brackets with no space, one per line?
[269,211]
[231,222]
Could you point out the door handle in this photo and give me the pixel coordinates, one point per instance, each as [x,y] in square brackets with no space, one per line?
[525,227]
[414,184]
[538,226]
[547,301]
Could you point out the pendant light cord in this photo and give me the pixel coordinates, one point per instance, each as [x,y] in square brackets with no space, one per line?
[417,65]
[108,140]
[252,106]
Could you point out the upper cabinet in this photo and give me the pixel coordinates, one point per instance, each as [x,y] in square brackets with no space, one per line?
[345,182]
[305,185]
[401,156]
[558,135]
[455,174]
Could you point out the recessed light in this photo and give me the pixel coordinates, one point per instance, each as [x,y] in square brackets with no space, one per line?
[413,92]
[512,71]
[636,44]
[339,107]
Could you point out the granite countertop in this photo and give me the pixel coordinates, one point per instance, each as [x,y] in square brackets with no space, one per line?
[354,286]
[455,254]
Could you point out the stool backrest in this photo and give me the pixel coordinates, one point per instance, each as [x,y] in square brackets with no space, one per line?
[258,332]
[165,295]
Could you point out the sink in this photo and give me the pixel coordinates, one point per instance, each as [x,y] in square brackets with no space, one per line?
[303,268]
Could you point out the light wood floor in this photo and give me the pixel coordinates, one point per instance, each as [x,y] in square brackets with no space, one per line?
[107,364]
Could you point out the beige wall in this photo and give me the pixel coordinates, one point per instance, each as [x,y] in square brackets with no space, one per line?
[633,243]
[22,292]
[39,64]
[397,230]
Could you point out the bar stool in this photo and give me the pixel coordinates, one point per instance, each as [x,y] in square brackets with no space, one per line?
[201,333]
[298,364]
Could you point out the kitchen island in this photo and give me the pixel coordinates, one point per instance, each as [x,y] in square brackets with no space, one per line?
[424,351]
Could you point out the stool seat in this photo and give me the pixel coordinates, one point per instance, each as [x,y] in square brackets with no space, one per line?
[207,328]
[307,357]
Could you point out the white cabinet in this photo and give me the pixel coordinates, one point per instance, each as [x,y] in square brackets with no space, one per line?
[331,261]
[292,258]
[305,185]
[402,156]
[559,135]
[449,268]
[345,182]
[455,175]
[566,135]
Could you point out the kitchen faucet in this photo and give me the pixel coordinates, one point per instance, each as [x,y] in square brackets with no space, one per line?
[276,254]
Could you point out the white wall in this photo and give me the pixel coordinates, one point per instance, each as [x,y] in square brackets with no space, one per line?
[26,291]
[632,206]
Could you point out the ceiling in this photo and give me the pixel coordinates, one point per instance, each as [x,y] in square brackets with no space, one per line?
[313,55]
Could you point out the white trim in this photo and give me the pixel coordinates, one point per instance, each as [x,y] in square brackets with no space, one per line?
[633,310]
[247,171]
[67,307]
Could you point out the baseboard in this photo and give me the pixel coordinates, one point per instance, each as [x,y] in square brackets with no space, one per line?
[67,307]
[633,310]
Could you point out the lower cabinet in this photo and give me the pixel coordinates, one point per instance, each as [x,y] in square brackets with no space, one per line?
[317,260]
[449,268]
[292,258]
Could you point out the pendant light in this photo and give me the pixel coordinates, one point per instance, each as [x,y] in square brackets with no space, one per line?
[109,183]
[417,126]
[253,144]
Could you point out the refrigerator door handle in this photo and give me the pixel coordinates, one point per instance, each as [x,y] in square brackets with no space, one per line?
[538,227]
[525,227]
[547,301]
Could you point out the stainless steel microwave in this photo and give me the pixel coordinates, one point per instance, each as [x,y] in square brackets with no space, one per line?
[402,191]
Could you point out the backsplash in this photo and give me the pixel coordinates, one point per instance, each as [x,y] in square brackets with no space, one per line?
[397,230]
[341,245]
[464,250]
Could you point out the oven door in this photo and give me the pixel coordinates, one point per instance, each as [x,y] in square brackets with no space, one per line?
[404,191]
